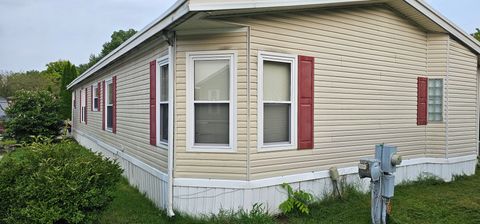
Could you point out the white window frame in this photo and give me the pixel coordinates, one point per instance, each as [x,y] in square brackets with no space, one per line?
[284,58]
[443,101]
[165,60]
[191,57]
[83,105]
[107,81]
[95,92]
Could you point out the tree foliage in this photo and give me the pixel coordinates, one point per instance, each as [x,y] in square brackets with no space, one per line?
[33,113]
[10,82]
[117,38]
[67,73]
[477,34]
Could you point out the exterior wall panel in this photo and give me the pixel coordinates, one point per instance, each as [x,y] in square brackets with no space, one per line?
[132,71]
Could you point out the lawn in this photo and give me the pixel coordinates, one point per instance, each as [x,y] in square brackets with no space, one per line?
[426,201]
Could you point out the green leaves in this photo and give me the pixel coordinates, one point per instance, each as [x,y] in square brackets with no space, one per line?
[62,183]
[297,201]
[33,113]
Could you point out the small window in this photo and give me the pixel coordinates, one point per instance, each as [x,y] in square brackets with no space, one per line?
[109,105]
[277,100]
[164,101]
[83,106]
[435,100]
[95,97]
[211,99]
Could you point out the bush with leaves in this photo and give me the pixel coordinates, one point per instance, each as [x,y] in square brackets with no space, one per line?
[298,201]
[33,113]
[55,183]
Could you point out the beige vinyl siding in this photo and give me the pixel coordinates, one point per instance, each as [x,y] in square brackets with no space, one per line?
[367,63]
[437,48]
[462,101]
[133,113]
[211,165]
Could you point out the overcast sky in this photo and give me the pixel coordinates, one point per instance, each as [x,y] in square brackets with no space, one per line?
[35,32]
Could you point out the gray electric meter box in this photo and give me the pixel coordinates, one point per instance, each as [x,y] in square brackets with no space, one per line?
[388,157]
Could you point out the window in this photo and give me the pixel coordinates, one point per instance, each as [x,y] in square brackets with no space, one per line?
[83,106]
[109,104]
[211,100]
[163,100]
[435,100]
[277,100]
[95,98]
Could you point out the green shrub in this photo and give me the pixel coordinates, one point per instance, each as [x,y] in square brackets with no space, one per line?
[59,183]
[33,113]
[297,201]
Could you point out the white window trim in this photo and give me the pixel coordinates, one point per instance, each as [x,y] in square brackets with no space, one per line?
[212,55]
[107,81]
[94,90]
[443,101]
[286,58]
[83,105]
[162,61]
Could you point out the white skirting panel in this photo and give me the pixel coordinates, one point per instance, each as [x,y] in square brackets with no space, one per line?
[145,178]
[206,196]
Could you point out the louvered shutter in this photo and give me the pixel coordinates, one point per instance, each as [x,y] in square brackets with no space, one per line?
[422,98]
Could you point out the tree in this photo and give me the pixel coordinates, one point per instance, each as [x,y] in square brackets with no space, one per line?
[477,34]
[67,73]
[11,82]
[117,38]
[33,113]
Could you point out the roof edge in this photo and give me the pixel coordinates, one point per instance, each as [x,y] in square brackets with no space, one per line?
[446,24]
[176,11]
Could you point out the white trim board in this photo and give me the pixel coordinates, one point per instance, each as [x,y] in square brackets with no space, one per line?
[240,184]
[155,172]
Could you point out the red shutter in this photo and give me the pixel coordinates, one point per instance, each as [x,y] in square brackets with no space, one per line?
[99,95]
[306,73]
[114,96]
[422,97]
[103,104]
[86,104]
[153,102]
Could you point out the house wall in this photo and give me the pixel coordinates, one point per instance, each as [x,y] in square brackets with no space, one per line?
[462,101]
[367,63]
[133,78]
[437,60]
[226,165]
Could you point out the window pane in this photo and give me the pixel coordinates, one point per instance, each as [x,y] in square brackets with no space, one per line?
[109,93]
[435,98]
[109,117]
[164,83]
[212,123]
[276,81]
[212,78]
[95,103]
[276,123]
[164,122]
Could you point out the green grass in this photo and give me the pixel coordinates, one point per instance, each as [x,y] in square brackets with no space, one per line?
[425,201]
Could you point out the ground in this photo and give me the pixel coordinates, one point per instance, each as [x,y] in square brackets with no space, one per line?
[427,201]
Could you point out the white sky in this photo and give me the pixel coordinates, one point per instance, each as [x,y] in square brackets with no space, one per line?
[35,32]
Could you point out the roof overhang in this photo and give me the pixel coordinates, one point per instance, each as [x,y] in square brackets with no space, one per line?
[416,10]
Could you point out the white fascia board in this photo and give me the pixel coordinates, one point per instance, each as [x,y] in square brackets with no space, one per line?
[446,24]
[179,9]
[256,4]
